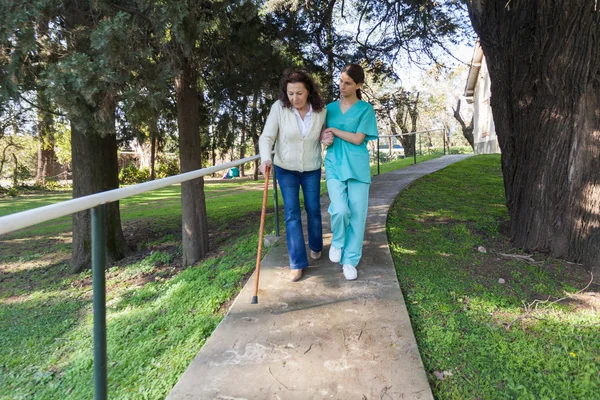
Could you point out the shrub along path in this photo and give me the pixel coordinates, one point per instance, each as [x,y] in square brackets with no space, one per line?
[322,337]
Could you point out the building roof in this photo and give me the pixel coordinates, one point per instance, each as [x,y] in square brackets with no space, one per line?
[473,72]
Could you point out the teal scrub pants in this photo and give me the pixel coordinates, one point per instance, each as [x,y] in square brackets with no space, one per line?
[348,210]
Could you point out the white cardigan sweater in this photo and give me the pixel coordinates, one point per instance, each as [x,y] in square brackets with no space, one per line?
[292,151]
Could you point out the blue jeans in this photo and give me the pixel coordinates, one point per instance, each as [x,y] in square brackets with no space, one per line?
[290,183]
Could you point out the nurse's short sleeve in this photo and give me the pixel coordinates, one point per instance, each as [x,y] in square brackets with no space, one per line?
[368,124]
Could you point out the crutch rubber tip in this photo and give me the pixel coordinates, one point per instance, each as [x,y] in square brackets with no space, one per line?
[254,300]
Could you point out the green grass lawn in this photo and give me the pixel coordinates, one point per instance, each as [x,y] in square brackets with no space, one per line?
[476,338]
[159,314]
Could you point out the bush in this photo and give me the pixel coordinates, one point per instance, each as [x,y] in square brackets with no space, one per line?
[23,173]
[385,157]
[460,150]
[131,175]
[168,168]
[12,192]
[51,184]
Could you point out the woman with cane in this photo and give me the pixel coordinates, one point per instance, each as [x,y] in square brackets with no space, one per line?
[294,126]
[350,124]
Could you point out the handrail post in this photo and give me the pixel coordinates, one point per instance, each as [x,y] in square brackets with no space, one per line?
[377,155]
[415,149]
[444,133]
[275,202]
[99,288]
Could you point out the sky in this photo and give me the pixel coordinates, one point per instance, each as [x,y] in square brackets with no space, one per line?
[413,76]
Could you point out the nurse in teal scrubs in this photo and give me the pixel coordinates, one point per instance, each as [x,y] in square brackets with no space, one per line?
[350,123]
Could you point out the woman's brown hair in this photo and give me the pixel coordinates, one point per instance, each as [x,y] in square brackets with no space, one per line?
[297,76]
[357,74]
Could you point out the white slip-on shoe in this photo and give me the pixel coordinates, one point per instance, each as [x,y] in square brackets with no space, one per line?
[315,255]
[335,255]
[350,272]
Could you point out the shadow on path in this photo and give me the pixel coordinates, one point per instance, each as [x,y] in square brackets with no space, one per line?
[322,337]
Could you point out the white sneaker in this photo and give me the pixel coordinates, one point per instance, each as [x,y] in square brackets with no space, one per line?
[350,272]
[315,255]
[335,255]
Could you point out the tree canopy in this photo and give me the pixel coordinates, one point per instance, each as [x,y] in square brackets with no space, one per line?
[122,70]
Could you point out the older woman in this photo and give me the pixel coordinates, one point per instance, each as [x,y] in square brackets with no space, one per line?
[294,125]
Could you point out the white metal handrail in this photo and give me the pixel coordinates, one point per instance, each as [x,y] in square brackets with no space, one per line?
[96,203]
[24,219]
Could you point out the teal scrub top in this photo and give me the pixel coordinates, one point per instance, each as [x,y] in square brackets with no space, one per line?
[345,160]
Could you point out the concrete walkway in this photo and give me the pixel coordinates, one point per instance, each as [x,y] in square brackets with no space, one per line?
[322,337]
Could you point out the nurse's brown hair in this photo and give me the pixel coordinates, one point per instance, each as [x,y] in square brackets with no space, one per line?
[357,74]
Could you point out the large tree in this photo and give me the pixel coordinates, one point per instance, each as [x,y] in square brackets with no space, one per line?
[87,88]
[194,29]
[544,64]
[72,54]
[188,25]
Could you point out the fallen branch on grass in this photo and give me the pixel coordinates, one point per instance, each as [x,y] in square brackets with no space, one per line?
[519,257]
[533,306]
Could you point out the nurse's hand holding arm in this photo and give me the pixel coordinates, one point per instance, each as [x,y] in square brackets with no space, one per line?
[354,138]
[326,138]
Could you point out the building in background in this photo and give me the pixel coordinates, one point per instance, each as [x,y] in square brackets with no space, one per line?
[478,93]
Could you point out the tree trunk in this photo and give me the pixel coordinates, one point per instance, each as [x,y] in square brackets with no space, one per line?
[413,110]
[46,159]
[467,129]
[330,55]
[95,169]
[213,152]
[414,115]
[391,121]
[15,171]
[327,49]
[544,64]
[408,109]
[194,218]
[213,143]
[153,140]
[45,123]
[243,137]
[5,159]
[46,154]
[254,133]
[408,142]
